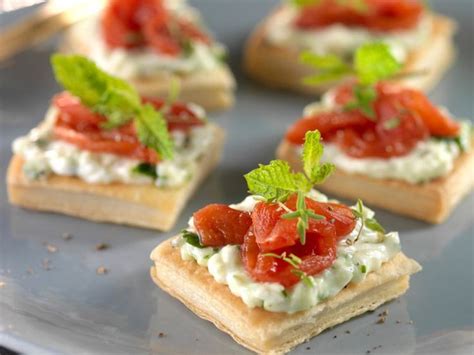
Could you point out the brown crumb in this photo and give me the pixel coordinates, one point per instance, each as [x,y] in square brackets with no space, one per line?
[384,313]
[308,348]
[368,334]
[102,246]
[102,270]
[46,264]
[367,352]
[397,321]
[334,337]
[2,284]
[66,236]
[51,248]
[162,335]
[348,332]
[381,320]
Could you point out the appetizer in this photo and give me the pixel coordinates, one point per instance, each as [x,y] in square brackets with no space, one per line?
[152,42]
[389,143]
[104,153]
[414,33]
[285,263]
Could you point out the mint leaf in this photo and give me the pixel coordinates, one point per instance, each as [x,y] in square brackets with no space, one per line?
[372,224]
[374,62]
[364,97]
[153,132]
[103,93]
[192,238]
[146,169]
[330,67]
[312,153]
[114,98]
[275,181]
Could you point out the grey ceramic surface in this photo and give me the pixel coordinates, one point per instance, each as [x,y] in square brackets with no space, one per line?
[71,309]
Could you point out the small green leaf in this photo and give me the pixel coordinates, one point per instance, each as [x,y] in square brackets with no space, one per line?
[329,67]
[315,216]
[296,259]
[312,153]
[374,62]
[192,238]
[291,215]
[303,277]
[153,132]
[301,228]
[275,181]
[363,268]
[364,97]
[146,169]
[372,224]
[273,255]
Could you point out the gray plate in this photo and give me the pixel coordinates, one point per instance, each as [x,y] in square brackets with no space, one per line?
[71,309]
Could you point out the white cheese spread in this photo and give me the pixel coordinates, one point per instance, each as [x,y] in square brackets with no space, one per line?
[44,155]
[354,261]
[342,40]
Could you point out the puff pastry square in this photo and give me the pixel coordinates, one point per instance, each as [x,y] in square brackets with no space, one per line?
[145,206]
[268,332]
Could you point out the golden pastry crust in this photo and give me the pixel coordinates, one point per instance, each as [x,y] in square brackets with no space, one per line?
[432,201]
[145,205]
[279,67]
[269,332]
[211,89]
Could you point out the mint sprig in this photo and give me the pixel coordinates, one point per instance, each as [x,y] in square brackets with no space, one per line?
[303,214]
[275,182]
[114,98]
[370,223]
[372,63]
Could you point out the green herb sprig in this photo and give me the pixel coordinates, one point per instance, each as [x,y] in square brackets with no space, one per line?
[114,98]
[275,182]
[370,223]
[192,238]
[295,262]
[372,63]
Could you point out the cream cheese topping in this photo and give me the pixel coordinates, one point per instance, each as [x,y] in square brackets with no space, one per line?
[342,40]
[355,259]
[43,155]
[429,159]
[132,63]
